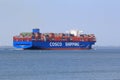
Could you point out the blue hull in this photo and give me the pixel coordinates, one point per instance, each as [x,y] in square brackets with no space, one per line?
[53,45]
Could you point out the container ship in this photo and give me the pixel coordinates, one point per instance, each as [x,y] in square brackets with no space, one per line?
[71,40]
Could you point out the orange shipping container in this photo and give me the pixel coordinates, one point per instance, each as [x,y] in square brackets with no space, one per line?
[58,38]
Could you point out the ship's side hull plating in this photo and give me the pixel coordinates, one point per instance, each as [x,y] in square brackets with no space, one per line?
[54,45]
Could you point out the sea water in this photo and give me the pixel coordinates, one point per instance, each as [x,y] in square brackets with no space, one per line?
[96,64]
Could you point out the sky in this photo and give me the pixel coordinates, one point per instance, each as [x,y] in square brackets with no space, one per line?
[101,17]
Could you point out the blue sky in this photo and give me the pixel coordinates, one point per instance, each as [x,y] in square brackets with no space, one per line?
[101,17]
